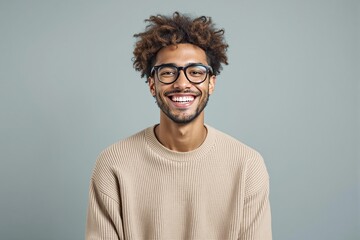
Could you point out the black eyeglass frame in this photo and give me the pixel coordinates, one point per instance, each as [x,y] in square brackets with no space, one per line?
[154,69]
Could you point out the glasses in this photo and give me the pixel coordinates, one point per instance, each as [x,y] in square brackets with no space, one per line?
[169,73]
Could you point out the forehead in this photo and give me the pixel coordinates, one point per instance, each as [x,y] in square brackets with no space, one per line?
[181,54]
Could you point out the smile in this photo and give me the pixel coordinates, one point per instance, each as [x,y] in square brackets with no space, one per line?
[182,99]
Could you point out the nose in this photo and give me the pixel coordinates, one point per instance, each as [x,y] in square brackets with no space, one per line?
[182,82]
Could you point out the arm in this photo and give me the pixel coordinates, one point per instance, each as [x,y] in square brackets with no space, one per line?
[256,222]
[103,217]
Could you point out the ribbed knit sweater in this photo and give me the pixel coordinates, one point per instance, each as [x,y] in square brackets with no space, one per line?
[142,190]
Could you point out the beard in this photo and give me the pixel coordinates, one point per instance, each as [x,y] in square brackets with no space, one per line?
[182,117]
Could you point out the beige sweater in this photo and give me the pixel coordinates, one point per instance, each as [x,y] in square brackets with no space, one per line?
[142,190]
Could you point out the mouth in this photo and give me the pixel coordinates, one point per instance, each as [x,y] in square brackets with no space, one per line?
[182,100]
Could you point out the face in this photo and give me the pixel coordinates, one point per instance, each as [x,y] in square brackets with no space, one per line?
[181,101]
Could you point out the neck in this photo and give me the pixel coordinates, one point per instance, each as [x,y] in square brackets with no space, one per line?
[181,137]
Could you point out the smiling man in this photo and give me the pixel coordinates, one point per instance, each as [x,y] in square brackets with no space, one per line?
[181,178]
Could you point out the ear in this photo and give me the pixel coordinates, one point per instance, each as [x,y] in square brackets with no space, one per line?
[151,84]
[212,82]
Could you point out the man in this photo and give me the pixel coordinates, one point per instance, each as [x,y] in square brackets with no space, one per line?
[179,179]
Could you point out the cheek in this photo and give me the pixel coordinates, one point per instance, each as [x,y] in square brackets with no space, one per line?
[205,89]
[159,91]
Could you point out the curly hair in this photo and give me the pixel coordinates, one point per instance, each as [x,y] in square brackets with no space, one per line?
[164,31]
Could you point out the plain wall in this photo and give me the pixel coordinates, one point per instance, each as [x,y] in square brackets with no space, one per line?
[68,90]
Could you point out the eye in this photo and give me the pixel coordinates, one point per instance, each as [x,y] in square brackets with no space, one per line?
[196,71]
[167,72]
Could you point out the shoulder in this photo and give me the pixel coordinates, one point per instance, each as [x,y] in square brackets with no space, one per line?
[255,169]
[117,154]
[121,148]
[228,143]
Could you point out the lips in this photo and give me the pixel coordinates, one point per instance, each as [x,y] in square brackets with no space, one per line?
[182,100]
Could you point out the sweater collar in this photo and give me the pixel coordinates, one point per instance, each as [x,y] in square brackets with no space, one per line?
[163,152]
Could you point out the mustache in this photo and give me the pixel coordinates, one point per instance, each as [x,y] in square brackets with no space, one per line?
[179,91]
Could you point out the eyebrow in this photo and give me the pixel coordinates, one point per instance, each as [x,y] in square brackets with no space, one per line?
[190,63]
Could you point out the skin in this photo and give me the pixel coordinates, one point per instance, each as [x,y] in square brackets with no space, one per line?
[181,125]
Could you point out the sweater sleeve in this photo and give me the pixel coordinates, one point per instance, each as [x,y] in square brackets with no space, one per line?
[103,217]
[256,222]
[104,214]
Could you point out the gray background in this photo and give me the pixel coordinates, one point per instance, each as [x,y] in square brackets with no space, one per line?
[68,90]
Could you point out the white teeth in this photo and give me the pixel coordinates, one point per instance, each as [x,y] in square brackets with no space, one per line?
[183,99]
